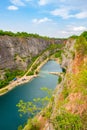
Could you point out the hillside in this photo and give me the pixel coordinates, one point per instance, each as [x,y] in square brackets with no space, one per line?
[68,108]
[18,52]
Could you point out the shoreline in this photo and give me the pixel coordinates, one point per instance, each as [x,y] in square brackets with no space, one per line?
[24,79]
[20,81]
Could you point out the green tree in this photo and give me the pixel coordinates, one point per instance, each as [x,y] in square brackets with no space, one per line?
[67,121]
[32,108]
[81,45]
[84,34]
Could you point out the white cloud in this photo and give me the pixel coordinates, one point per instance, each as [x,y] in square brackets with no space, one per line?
[81,15]
[79,28]
[66,13]
[62,12]
[17,2]
[72,30]
[12,7]
[43,20]
[44,2]
[75,28]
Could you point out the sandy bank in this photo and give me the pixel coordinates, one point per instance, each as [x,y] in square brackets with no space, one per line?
[21,80]
[18,82]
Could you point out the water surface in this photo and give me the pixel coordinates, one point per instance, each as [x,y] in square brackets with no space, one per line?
[9,116]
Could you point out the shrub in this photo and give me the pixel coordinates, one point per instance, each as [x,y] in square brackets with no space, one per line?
[33,124]
[59,79]
[30,73]
[81,45]
[64,70]
[65,92]
[84,34]
[67,121]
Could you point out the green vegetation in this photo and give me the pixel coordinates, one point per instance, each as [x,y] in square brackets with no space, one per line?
[84,34]
[84,120]
[32,108]
[64,70]
[65,92]
[58,54]
[30,73]
[9,76]
[44,55]
[59,79]
[25,34]
[81,45]
[74,36]
[4,91]
[33,124]
[22,34]
[80,80]
[3,83]
[67,121]
[20,127]
[74,83]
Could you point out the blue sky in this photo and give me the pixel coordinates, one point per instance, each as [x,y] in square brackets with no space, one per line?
[54,18]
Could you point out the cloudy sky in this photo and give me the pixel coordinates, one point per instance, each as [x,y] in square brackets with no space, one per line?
[54,18]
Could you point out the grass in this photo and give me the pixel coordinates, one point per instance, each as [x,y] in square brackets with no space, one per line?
[3,91]
[9,76]
[67,121]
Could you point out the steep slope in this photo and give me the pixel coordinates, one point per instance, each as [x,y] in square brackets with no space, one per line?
[68,108]
[70,102]
[17,52]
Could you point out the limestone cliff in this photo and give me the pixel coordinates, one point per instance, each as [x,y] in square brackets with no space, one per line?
[17,52]
[69,110]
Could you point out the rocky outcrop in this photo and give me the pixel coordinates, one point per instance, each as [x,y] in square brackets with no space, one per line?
[17,52]
[68,55]
[70,95]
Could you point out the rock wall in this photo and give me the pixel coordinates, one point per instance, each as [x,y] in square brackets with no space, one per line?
[17,52]
[70,95]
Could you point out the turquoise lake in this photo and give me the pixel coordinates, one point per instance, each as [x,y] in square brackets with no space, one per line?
[9,115]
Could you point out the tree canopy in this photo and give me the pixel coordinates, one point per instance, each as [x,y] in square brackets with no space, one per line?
[22,34]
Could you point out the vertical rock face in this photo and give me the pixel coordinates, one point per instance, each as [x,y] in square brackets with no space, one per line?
[68,55]
[17,52]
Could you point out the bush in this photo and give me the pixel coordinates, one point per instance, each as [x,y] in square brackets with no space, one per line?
[33,124]
[59,79]
[58,54]
[20,127]
[10,75]
[64,70]
[81,45]
[67,121]
[84,34]
[30,73]
[65,92]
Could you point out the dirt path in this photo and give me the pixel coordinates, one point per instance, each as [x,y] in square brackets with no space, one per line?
[25,78]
